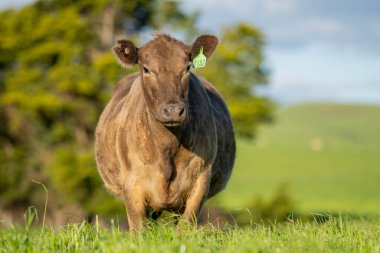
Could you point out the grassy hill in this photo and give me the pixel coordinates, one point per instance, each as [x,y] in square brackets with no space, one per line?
[329,155]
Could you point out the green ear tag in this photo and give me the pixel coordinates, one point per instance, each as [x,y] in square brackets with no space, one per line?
[200,60]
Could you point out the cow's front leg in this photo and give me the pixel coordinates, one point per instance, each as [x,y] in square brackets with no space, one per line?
[134,199]
[197,196]
[136,213]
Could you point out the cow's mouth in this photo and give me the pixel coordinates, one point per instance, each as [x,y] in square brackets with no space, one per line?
[172,123]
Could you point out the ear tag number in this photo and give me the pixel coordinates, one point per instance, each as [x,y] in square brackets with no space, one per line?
[200,60]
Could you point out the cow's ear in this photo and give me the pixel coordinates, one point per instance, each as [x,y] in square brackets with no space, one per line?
[126,52]
[208,42]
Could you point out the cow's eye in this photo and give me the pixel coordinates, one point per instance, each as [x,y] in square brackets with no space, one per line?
[145,70]
[188,68]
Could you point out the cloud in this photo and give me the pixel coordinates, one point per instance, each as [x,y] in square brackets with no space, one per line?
[275,7]
[291,24]
[318,50]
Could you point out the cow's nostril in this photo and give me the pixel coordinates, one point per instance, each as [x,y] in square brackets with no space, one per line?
[167,112]
[182,110]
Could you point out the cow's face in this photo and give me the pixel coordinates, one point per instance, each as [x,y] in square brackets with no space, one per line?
[165,71]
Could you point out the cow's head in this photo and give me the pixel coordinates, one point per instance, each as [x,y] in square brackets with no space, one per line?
[165,69]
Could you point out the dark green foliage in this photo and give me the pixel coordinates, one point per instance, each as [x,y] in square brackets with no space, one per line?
[57,73]
[279,209]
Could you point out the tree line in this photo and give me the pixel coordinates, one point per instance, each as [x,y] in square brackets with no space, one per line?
[57,73]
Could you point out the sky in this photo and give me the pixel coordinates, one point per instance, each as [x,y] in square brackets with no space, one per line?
[317,51]
[323,51]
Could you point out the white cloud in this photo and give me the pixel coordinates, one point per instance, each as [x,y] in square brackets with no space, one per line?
[317,50]
[295,23]
[275,7]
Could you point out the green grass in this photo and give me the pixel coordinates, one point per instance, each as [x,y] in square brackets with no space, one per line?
[337,235]
[328,154]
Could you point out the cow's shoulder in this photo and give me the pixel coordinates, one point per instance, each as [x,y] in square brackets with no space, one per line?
[216,99]
[210,88]
[124,85]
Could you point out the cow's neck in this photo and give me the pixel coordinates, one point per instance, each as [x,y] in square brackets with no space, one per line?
[157,138]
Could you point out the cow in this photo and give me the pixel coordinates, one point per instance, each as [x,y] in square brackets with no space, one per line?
[165,140]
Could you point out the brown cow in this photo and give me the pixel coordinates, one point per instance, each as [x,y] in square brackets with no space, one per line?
[165,140]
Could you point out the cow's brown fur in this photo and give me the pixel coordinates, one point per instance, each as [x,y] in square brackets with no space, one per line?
[156,163]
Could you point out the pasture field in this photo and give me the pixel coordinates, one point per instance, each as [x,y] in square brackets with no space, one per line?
[336,235]
[328,155]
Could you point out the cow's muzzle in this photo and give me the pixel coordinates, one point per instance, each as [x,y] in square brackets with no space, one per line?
[173,114]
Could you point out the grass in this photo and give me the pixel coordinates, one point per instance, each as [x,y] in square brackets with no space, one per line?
[340,234]
[327,154]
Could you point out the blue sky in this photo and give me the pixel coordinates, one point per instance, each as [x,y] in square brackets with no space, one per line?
[317,50]
[325,50]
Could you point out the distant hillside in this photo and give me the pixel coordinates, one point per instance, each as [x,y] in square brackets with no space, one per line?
[353,125]
[328,154]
